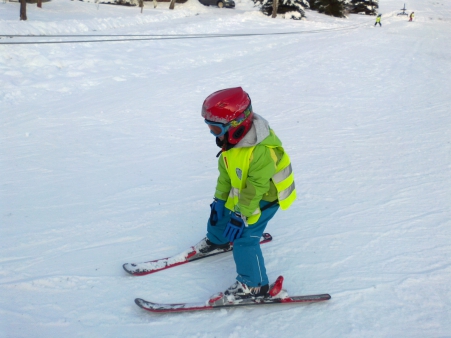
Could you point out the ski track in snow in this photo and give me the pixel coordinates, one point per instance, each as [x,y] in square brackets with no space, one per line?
[105,160]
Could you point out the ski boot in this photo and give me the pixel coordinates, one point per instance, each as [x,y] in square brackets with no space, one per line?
[207,247]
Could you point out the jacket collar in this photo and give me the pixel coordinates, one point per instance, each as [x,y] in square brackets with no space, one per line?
[258,132]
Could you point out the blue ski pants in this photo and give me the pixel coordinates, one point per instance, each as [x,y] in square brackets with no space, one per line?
[250,265]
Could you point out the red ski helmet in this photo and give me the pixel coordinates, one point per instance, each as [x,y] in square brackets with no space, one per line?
[228,111]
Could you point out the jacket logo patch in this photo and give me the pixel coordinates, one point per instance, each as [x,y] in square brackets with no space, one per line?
[239,173]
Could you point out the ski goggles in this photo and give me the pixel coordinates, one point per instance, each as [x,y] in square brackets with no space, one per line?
[219,129]
[216,128]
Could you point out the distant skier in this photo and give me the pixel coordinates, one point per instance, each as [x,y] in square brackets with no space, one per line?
[255,178]
[411,16]
[378,20]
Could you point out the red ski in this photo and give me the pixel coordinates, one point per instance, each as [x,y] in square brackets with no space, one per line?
[277,295]
[190,255]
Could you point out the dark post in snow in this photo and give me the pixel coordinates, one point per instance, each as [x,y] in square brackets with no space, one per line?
[275,5]
[141,4]
[40,3]
[23,10]
[171,6]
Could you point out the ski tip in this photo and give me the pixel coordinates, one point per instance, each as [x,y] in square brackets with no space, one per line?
[324,296]
[139,302]
[125,267]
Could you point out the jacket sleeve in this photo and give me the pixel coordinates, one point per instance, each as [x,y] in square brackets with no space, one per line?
[262,168]
[223,184]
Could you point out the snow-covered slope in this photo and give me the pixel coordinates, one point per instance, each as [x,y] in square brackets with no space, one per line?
[105,160]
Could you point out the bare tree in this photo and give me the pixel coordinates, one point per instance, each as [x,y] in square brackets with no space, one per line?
[23,10]
[275,5]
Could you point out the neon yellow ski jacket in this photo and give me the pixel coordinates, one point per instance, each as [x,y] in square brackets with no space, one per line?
[253,173]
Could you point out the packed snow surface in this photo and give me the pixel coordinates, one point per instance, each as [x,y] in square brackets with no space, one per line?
[105,159]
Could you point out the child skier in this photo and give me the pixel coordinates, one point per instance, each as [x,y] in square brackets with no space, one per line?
[411,16]
[255,178]
[378,20]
